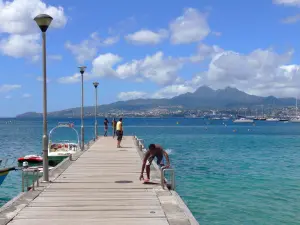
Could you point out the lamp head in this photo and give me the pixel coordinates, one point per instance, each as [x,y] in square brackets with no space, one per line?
[82,69]
[43,21]
[95,84]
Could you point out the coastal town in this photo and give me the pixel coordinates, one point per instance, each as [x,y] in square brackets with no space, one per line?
[280,113]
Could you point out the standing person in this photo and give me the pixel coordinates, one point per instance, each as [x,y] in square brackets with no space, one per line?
[119,132]
[105,127]
[114,126]
[157,151]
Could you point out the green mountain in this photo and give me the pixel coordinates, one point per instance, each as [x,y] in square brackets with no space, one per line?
[203,98]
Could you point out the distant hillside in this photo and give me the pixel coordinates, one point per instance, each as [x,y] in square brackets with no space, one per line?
[203,98]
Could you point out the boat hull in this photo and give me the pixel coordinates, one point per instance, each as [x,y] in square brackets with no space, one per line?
[3,176]
[54,160]
[3,173]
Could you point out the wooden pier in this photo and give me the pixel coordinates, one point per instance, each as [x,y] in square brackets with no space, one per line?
[101,186]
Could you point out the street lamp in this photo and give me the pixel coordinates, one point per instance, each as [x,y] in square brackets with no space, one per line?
[96,105]
[44,21]
[82,69]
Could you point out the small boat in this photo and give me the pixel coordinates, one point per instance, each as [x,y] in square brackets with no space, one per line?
[295,120]
[243,120]
[60,150]
[4,172]
[31,159]
[272,120]
[283,120]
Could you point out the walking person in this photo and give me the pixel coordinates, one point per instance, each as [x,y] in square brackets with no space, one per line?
[105,127]
[114,126]
[119,132]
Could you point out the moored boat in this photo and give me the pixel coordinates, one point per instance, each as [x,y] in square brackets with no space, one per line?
[272,119]
[31,159]
[243,120]
[4,172]
[58,151]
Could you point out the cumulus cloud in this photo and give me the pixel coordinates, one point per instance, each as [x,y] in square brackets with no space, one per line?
[9,87]
[21,46]
[131,95]
[157,68]
[16,20]
[17,16]
[144,37]
[204,52]
[103,65]
[191,27]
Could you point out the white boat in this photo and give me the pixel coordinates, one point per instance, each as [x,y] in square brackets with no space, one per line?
[57,151]
[272,119]
[243,120]
[295,120]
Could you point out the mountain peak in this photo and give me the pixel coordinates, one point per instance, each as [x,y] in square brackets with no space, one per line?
[204,90]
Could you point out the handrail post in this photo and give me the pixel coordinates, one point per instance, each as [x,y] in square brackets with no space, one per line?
[163,170]
[23,184]
[33,177]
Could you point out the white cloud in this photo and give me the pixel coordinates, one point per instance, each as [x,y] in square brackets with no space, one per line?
[8,97]
[55,57]
[204,52]
[157,68]
[103,65]
[26,95]
[191,27]
[16,17]
[70,79]
[131,95]
[40,78]
[9,87]
[144,37]
[173,90]
[261,72]
[19,46]
[16,20]
[87,49]
[287,2]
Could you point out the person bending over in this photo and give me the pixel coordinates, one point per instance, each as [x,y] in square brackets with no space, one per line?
[157,151]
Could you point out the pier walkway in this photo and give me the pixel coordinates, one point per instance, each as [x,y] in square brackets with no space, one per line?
[102,187]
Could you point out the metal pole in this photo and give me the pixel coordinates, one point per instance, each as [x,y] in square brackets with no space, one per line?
[45,131]
[82,126]
[96,123]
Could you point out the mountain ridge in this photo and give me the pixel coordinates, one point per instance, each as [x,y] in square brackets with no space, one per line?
[203,98]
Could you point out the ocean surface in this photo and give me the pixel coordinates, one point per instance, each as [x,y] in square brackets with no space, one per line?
[226,173]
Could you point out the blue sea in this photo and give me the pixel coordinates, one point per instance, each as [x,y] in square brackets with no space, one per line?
[226,173]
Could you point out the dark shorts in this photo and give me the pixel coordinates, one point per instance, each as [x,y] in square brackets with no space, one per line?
[119,135]
[159,159]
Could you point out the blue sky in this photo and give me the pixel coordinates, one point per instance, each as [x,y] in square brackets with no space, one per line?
[146,49]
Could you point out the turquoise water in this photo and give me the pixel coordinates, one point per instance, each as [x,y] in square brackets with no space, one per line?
[251,176]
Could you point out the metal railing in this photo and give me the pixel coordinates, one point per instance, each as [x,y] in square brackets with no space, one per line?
[30,175]
[169,183]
